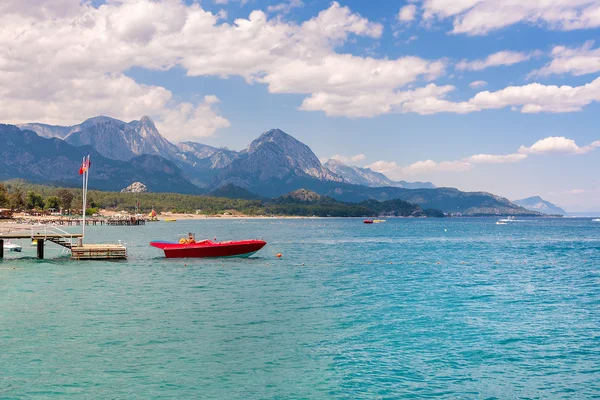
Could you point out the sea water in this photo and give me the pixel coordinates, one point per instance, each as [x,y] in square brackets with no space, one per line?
[411,308]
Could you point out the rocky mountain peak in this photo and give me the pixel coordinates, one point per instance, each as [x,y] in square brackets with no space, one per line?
[135,187]
[276,136]
[99,120]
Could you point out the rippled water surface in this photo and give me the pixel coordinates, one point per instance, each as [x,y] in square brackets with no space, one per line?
[450,308]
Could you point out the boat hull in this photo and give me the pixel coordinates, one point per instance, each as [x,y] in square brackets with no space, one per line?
[210,249]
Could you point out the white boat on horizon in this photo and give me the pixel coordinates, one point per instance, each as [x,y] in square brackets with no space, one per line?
[596,220]
[510,218]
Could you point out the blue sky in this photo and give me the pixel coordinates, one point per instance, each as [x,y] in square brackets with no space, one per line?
[487,95]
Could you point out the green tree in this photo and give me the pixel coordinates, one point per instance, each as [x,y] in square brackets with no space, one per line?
[65,198]
[3,196]
[34,200]
[16,199]
[52,202]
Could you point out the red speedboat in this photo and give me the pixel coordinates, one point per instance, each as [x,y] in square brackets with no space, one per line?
[368,221]
[187,248]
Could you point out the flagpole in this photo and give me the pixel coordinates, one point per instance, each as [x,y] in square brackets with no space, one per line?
[87,175]
[83,198]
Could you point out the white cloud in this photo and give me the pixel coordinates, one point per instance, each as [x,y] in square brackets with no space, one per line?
[545,146]
[477,84]
[44,78]
[496,159]
[66,61]
[285,7]
[348,159]
[185,120]
[576,61]
[407,13]
[479,17]
[421,167]
[535,97]
[493,60]
[558,144]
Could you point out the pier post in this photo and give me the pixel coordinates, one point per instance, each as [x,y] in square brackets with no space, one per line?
[40,249]
[1,249]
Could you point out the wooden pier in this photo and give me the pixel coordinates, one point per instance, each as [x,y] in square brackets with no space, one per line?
[65,239]
[98,221]
[99,252]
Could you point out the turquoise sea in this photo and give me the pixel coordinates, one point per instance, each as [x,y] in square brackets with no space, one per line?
[412,308]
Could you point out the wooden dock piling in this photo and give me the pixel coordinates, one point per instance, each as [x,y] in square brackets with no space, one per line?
[40,249]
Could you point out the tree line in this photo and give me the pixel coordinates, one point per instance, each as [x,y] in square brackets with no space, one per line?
[17,199]
[19,195]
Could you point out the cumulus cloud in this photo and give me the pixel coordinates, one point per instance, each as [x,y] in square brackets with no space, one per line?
[479,17]
[186,119]
[494,60]
[558,144]
[477,84]
[67,60]
[86,51]
[548,145]
[433,99]
[572,60]
[407,13]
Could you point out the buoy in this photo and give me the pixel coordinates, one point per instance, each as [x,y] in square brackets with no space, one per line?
[278,255]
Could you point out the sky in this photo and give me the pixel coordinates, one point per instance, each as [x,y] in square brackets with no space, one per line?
[494,95]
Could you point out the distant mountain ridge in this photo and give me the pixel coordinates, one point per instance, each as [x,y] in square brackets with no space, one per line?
[536,203]
[25,155]
[273,164]
[368,177]
[113,138]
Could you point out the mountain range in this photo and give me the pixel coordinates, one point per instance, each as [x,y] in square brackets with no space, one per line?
[26,155]
[273,164]
[536,203]
[368,177]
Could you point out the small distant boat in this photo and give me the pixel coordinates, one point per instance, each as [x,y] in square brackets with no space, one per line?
[500,223]
[508,219]
[378,221]
[189,248]
[170,220]
[368,221]
[9,246]
[596,220]
[152,216]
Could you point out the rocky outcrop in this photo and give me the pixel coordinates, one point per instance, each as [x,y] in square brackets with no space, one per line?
[135,187]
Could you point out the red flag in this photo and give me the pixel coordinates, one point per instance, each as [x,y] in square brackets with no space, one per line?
[85,165]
